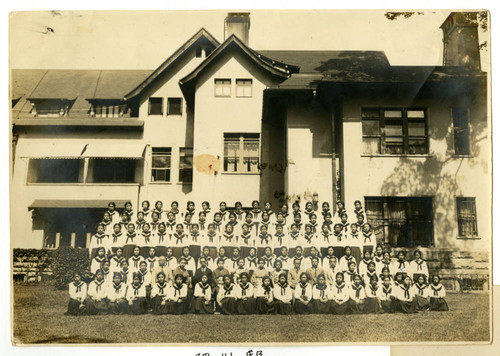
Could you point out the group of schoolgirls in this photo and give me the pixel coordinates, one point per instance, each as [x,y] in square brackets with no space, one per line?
[255,228]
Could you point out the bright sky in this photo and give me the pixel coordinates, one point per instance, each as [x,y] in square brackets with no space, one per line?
[144,39]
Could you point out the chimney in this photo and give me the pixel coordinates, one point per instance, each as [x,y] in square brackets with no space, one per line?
[238,24]
[460,40]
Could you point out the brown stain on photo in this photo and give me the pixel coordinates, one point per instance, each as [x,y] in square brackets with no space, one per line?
[206,163]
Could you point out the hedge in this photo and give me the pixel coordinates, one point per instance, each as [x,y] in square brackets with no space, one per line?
[67,261]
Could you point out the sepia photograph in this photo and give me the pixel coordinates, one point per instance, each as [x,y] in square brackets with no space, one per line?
[250,177]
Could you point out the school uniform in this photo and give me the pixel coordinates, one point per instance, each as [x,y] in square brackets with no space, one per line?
[264,300]
[405,299]
[246,242]
[398,266]
[381,264]
[349,276]
[340,297]
[437,295]
[114,216]
[218,277]
[263,241]
[96,302]
[237,274]
[226,299]
[165,270]
[325,240]
[356,298]
[96,264]
[108,276]
[212,241]
[218,227]
[170,229]
[256,217]
[77,295]
[419,268]
[245,301]
[386,297]
[354,240]
[97,241]
[251,264]
[134,263]
[195,239]
[344,262]
[283,297]
[190,265]
[258,275]
[160,240]
[203,225]
[320,299]
[116,240]
[308,241]
[338,243]
[286,262]
[294,240]
[200,272]
[363,267]
[278,242]
[178,242]
[313,273]
[372,303]
[240,215]
[145,277]
[228,241]
[116,294]
[171,262]
[108,227]
[177,299]
[161,213]
[224,215]
[421,295]
[275,275]
[268,263]
[369,241]
[126,276]
[303,297]
[139,225]
[185,275]
[203,303]
[131,240]
[268,225]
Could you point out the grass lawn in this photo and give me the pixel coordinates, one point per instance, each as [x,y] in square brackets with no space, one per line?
[39,318]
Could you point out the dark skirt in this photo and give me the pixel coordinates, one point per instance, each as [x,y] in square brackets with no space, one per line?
[387,306]
[367,248]
[422,303]
[301,308]
[261,251]
[283,308]
[245,251]
[178,251]
[74,307]
[157,307]
[119,307]
[138,306]
[438,304]
[195,251]
[405,307]
[355,308]
[161,250]
[372,305]
[338,251]
[213,253]
[356,253]
[246,306]
[145,251]
[323,252]
[228,305]
[97,308]
[339,308]
[201,307]
[320,307]
[176,308]
[263,307]
[128,251]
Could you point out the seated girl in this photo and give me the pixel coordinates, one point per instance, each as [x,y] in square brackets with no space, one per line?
[251,261]
[98,260]
[203,303]
[179,240]
[369,239]
[259,273]
[226,297]
[136,296]
[421,290]
[97,302]
[357,296]
[283,296]
[77,295]
[340,296]
[240,269]
[131,241]
[418,267]
[177,296]
[116,294]
[246,240]
[437,294]
[346,259]
[303,295]
[264,297]
[321,296]
[116,260]
[245,301]
[386,295]
[159,291]
[372,303]
[275,273]
[405,297]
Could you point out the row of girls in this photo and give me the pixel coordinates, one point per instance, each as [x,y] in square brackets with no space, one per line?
[166,291]
[256,228]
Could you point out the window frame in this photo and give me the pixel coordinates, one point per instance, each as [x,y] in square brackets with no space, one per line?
[241,157]
[460,218]
[404,121]
[453,128]
[179,113]
[168,170]
[218,84]
[182,180]
[149,105]
[32,163]
[244,86]
[113,163]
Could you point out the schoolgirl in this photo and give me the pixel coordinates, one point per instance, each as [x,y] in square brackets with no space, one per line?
[283,296]
[135,260]
[190,260]
[246,240]
[401,265]
[218,222]
[117,238]
[325,209]
[211,240]
[378,256]
[238,210]
[309,209]
[296,209]
[248,223]
[190,210]
[259,273]
[239,270]
[205,253]
[405,297]
[354,240]
[187,223]
[294,238]
[116,295]
[275,273]
[264,241]
[77,295]
[309,240]
[340,209]
[203,303]
[232,263]
[286,261]
[146,239]
[131,240]
[234,223]
[372,303]
[124,223]
[160,239]
[170,259]
[369,273]
[98,260]
[205,209]
[346,259]
[297,220]
[360,222]
[145,274]
[195,241]
[299,256]
[363,264]
[251,261]
[154,222]
[177,296]
[174,208]
[386,295]
[328,220]
[351,273]
[228,238]
[437,293]
[256,214]
[386,273]
[129,211]
[152,259]
[356,296]
[202,222]
[358,208]
[264,298]
[398,279]
[170,224]
[222,256]
[244,294]
[331,271]
[125,272]
[421,290]
[107,224]
[338,240]
[344,223]
[268,259]
[321,296]
[179,240]
[226,297]
[159,209]
[145,210]
[264,221]
[303,295]
[139,223]
[113,214]
[270,213]
[418,267]
[340,296]
[280,222]
[96,302]
[284,212]
[325,240]
[106,271]
[385,263]
[100,239]
[223,212]
[369,239]
[159,292]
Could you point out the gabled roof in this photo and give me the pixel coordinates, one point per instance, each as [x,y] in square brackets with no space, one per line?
[201,36]
[273,66]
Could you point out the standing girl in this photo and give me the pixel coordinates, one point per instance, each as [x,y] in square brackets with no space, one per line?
[131,240]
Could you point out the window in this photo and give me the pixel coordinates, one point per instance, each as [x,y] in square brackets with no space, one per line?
[394,131]
[467,221]
[244,88]
[461,130]
[155,106]
[401,222]
[112,170]
[50,107]
[108,109]
[160,167]
[174,106]
[241,152]
[186,165]
[54,170]
[223,87]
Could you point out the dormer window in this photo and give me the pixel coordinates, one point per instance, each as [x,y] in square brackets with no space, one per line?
[50,107]
[107,109]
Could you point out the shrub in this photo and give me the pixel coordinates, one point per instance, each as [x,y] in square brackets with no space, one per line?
[66,262]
